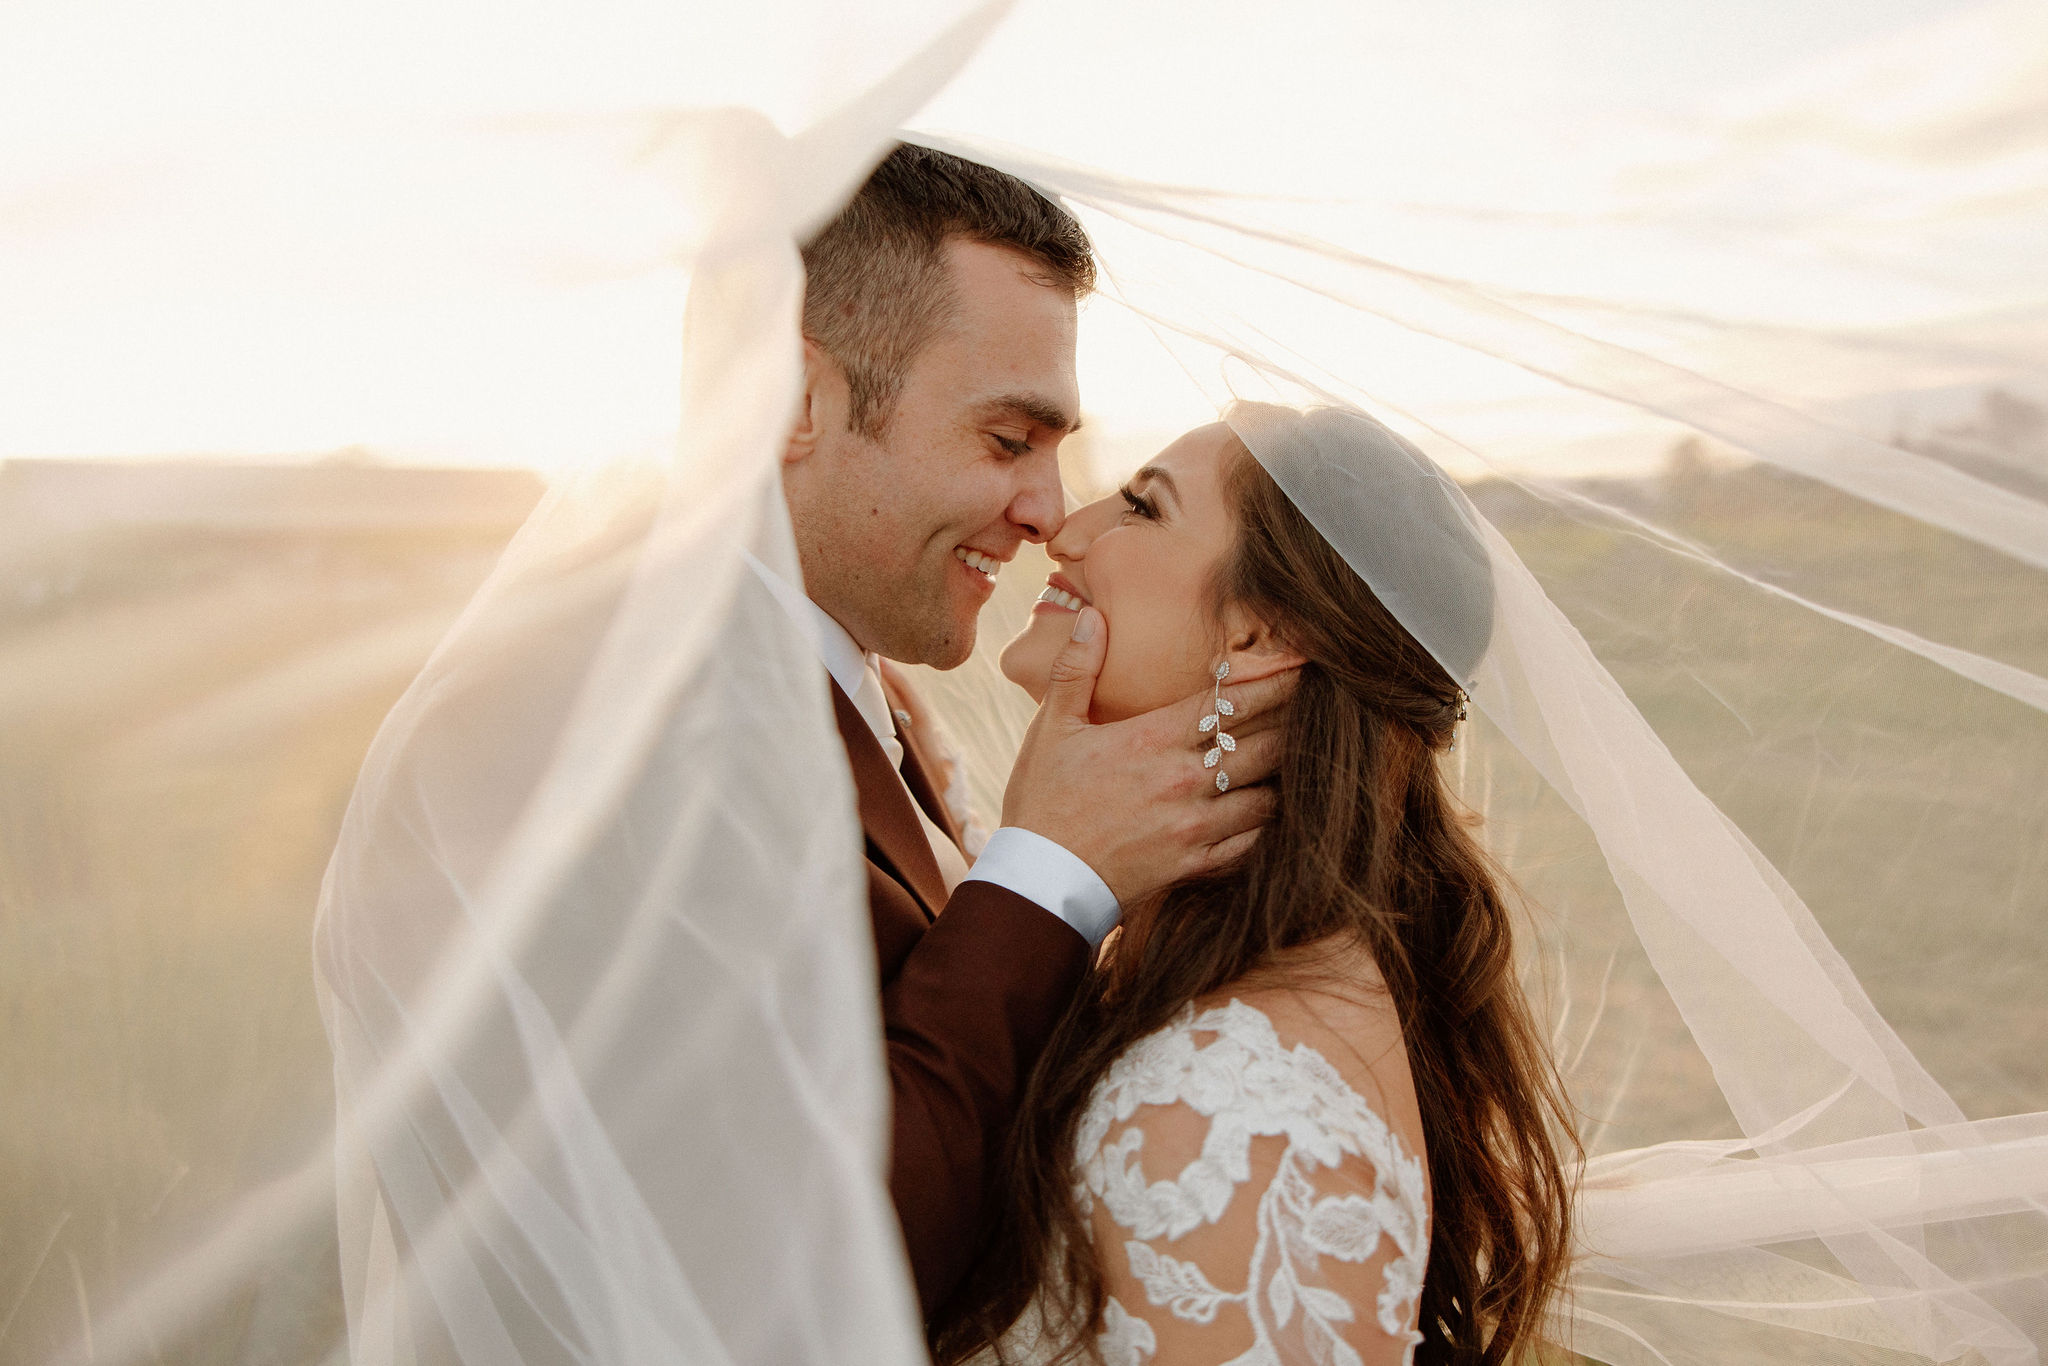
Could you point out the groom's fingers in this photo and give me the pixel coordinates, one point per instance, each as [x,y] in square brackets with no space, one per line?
[1132,799]
[1234,822]
[1254,707]
[1258,703]
[1242,810]
[1254,759]
[1227,852]
[1070,690]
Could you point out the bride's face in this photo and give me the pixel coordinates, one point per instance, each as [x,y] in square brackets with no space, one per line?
[1144,557]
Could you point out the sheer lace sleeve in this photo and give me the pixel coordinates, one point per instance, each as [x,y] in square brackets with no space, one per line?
[1249,1205]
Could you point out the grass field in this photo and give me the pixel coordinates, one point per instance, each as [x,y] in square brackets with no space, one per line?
[188,684]
[185,696]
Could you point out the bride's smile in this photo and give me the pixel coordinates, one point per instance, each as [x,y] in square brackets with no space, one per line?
[1060,595]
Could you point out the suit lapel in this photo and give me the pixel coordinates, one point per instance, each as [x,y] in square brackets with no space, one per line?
[886,814]
[919,772]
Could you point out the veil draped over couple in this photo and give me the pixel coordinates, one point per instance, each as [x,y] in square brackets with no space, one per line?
[1307,949]
[683,1009]
[1222,1021]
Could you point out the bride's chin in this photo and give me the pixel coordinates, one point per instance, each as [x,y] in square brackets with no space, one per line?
[1021,664]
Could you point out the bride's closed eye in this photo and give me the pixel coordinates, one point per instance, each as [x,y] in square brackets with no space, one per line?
[1139,504]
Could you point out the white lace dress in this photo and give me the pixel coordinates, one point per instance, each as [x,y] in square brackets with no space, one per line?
[1250,1207]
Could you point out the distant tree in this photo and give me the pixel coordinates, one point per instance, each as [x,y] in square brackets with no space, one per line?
[1685,464]
[2004,443]
[2012,422]
[1693,482]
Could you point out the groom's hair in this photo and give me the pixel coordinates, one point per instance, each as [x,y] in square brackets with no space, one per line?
[876,290]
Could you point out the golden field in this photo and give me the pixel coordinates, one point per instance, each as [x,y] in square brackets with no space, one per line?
[193,660]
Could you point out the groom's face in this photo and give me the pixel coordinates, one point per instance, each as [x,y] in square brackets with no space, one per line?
[898,534]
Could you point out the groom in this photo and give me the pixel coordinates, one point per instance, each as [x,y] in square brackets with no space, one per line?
[939,321]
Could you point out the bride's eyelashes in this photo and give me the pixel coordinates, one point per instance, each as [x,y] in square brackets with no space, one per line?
[1139,504]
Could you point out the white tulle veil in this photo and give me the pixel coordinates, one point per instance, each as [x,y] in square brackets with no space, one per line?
[1759,730]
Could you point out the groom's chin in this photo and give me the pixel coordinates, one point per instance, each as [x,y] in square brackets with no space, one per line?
[940,638]
[949,653]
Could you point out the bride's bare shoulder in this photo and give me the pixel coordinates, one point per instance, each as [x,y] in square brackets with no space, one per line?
[1332,984]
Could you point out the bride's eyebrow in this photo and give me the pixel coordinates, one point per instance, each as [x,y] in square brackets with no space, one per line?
[1154,475]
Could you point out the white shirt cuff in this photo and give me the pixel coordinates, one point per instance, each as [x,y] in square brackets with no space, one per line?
[1050,875]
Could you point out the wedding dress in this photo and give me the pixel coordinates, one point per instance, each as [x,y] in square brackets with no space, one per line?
[1761,735]
[1261,1208]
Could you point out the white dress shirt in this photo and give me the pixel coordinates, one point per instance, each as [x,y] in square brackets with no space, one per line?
[1029,864]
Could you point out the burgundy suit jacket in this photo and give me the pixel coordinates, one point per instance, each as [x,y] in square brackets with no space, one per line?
[971,987]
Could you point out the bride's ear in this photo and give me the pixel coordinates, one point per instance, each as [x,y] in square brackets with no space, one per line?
[1255,652]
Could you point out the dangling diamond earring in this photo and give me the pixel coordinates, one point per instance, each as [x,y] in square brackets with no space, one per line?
[1219,707]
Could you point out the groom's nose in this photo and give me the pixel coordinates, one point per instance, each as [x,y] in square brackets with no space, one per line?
[1039,506]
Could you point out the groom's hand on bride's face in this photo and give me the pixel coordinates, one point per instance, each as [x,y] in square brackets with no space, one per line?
[1131,798]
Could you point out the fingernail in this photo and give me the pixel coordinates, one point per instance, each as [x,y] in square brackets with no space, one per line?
[1084,624]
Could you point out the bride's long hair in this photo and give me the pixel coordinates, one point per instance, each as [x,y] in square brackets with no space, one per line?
[1366,842]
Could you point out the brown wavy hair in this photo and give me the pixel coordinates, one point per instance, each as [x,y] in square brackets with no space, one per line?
[1366,842]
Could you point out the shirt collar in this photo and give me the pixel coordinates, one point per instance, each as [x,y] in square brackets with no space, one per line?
[844,659]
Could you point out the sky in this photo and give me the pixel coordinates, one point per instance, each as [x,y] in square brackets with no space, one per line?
[433,234]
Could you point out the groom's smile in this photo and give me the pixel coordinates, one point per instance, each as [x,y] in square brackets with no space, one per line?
[979,571]
[988,566]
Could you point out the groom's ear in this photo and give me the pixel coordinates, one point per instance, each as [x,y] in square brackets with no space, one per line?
[1255,652]
[820,404]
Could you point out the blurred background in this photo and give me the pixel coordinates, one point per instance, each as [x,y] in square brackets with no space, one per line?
[298,321]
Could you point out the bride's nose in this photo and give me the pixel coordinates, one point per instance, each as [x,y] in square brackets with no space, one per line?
[1081,528]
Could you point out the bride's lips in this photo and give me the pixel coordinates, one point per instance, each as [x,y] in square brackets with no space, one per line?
[1060,595]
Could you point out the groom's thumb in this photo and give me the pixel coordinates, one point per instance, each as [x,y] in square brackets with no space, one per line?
[1071,688]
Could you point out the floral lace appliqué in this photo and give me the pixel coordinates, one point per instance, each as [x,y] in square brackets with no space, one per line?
[1247,1085]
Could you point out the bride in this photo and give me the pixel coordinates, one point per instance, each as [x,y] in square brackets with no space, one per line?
[1301,1110]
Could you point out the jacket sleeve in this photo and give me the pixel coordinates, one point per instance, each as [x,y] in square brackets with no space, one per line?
[966,1017]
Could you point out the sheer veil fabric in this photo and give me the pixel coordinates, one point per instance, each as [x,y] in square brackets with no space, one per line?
[1839,1118]
[1759,731]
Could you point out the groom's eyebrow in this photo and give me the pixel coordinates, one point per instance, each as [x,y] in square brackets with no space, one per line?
[1039,411]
